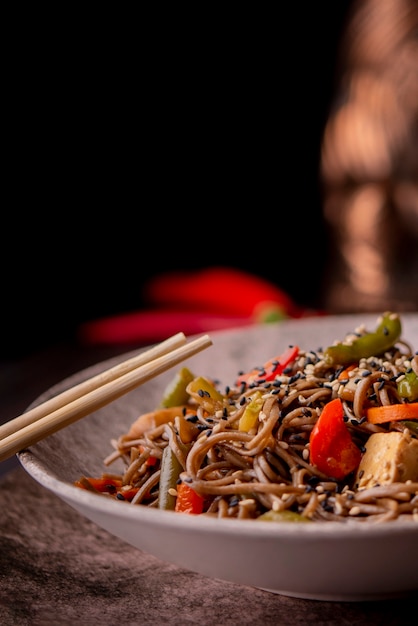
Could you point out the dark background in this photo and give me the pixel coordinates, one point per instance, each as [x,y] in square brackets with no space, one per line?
[182,149]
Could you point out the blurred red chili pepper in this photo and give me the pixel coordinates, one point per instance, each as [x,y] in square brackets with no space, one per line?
[220,289]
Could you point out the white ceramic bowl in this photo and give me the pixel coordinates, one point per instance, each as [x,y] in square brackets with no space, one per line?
[324,561]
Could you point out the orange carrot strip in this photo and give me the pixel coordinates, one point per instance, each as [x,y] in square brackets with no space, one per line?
[392,413]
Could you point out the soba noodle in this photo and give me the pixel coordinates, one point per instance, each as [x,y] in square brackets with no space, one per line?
[266,471]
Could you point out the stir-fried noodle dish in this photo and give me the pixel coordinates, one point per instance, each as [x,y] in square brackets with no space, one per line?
[328,434]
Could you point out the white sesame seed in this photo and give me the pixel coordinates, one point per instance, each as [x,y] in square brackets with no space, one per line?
[355,510]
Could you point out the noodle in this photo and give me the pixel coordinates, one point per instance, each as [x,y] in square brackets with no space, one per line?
[247,474]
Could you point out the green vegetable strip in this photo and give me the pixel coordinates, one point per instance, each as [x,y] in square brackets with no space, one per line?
[408,386]
[170,472]
[371,344]
[175,393]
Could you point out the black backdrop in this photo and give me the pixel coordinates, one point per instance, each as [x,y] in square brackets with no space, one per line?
[201,148]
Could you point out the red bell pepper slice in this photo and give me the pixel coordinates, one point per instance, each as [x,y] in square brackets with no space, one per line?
[103,484]
[271,369]
[111,486]
[188,500]
[332,449]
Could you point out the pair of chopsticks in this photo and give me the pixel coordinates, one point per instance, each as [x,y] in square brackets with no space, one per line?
[94,393]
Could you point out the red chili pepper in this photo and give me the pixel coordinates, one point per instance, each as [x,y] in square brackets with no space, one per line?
[112,486]
[332,449]
[221,289]
[271,369]
[188,500]
[104,485]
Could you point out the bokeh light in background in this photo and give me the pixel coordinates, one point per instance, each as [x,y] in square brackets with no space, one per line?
[370,162]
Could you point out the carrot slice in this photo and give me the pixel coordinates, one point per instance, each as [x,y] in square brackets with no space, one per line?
[392,413]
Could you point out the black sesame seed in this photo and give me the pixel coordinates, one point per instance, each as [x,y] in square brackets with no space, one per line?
[314,480]
[326,506]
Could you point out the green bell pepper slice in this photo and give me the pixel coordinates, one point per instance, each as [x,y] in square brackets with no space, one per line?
[175,393]
[408,386]
[383,338]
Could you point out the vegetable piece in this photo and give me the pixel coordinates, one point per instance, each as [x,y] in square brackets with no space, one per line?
[249,418]
[201,386]
[103,484]
[371,344]
[187,430]
[111,486]
[392,413]
[175,393]
[413,426]
[222,289]
[150,420]
[345,373]
[408,386]
[282,516]
[169,475]
[204,392]
[271,369]
[188,500]
[332,449]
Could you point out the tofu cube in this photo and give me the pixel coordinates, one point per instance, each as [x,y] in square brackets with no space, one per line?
[390,457]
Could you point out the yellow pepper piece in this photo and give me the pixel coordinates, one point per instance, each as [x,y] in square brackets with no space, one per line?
[201,386]
[249,418]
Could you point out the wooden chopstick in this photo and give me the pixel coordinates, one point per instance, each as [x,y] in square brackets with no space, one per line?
[94,393]
[88,385]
